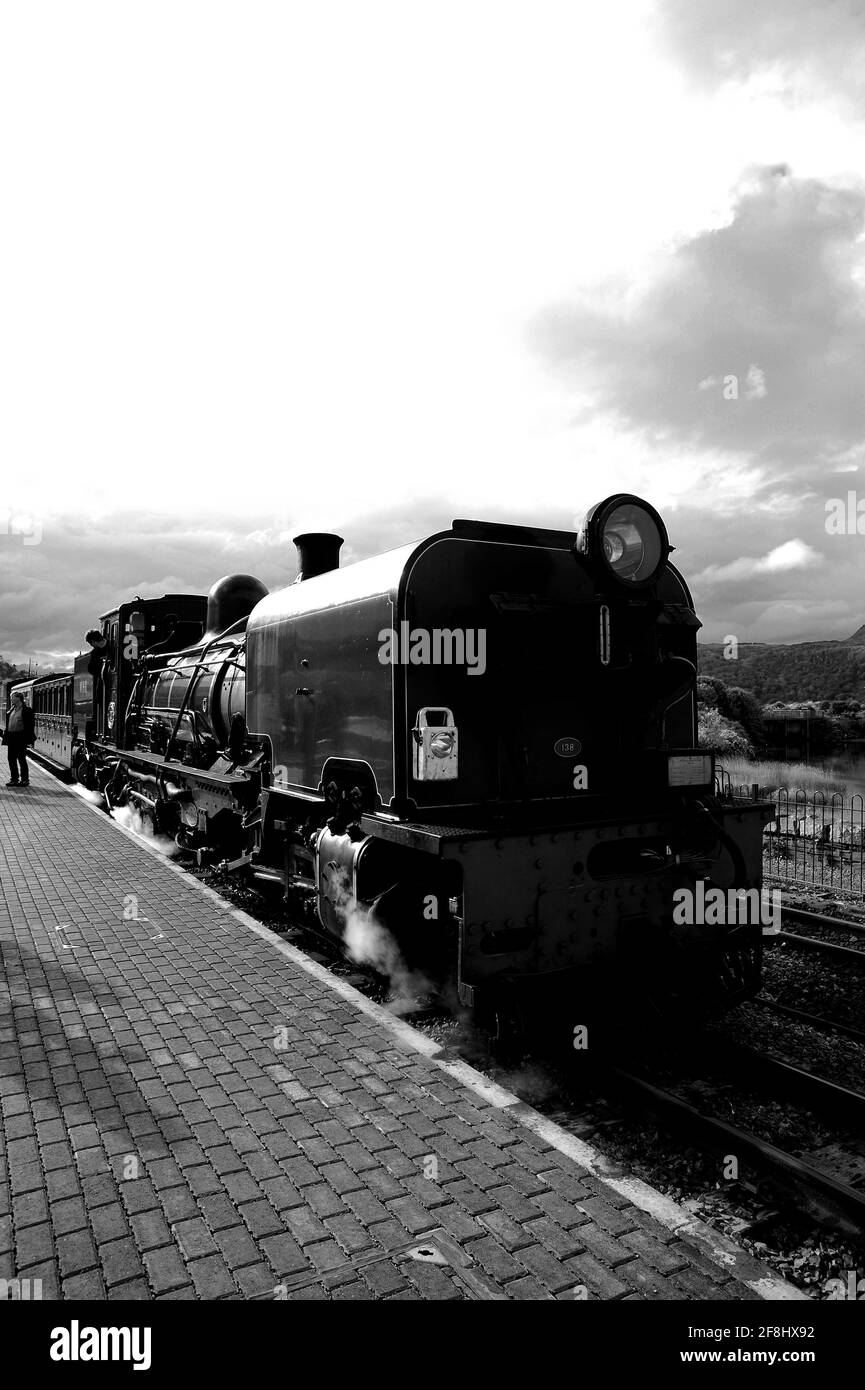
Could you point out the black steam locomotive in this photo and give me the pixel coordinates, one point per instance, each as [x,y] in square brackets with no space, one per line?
[484,741]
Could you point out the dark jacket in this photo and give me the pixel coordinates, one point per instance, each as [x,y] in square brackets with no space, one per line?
[29,726]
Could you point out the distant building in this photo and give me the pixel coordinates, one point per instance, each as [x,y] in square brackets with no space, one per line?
[788,730]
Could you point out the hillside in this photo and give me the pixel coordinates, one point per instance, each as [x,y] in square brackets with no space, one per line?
[800,671]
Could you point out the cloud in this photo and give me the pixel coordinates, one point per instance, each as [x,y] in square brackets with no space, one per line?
[749,578]
[54,591]
[748,339]
[776,589]
[791,555]
[754,385]
[805,49]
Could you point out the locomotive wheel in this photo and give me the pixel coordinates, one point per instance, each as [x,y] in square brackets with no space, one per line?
[85,775]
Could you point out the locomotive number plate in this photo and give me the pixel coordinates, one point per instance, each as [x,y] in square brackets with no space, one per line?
[567,747]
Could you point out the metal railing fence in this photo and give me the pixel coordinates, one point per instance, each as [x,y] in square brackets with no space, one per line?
[816,837]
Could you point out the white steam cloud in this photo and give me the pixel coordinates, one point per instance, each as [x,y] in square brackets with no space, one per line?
[130,819]
[368,942]
[95,798]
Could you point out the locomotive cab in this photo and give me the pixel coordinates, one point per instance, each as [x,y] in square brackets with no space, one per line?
[169,732]
[127,634]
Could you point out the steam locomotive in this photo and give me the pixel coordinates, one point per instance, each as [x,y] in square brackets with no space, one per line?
[484,741]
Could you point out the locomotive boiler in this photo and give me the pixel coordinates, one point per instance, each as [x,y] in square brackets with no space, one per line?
[483,742]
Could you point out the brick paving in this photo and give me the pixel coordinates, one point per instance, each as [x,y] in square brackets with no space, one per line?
[188,1112]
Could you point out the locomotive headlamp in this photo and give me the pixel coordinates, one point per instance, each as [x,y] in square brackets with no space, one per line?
[628,536]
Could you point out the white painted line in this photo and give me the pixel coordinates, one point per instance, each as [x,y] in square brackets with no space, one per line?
[722,1251]
[492,1093]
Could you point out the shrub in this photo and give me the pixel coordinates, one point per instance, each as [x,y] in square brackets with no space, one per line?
[720,734]
[707,691]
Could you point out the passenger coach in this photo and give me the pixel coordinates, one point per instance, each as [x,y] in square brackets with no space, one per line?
[50,698]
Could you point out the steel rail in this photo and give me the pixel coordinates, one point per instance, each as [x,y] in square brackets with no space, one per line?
[827,1025]
[730,1139]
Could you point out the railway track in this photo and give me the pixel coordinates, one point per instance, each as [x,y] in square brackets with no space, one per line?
[840,1200]
[828,1179]
[831,950]
[816,919]
[748,1066]
[823,1025]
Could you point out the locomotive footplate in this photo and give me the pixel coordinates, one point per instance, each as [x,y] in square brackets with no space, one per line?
[237,784]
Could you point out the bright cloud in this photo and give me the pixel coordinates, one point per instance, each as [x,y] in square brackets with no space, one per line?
[792,555]
[363,268]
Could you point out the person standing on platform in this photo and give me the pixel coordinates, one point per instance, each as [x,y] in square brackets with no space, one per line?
[20,733]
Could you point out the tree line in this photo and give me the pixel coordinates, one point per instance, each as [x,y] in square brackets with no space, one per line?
[733,720]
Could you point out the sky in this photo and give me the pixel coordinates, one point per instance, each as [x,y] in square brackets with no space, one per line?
[367,268]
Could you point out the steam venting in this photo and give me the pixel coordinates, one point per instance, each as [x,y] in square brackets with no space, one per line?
[317,553]
[231,599]
[368,942]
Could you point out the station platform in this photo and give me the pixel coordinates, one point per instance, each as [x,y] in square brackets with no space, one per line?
[193,1109]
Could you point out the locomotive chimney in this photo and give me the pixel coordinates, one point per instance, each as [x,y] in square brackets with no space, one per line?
[317,553]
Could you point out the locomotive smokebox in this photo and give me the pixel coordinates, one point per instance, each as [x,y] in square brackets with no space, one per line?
[232,598]
[317,553]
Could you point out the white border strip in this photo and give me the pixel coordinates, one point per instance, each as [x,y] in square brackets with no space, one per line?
[722,1251]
